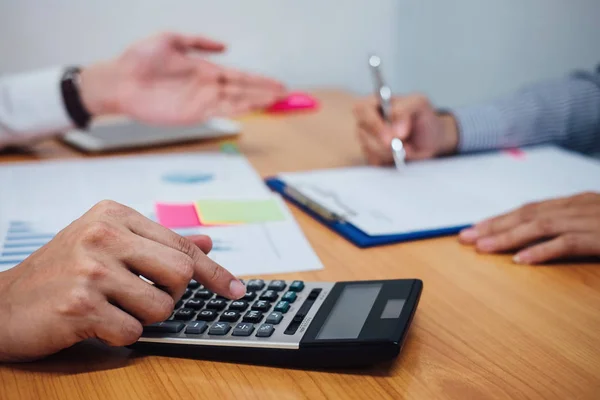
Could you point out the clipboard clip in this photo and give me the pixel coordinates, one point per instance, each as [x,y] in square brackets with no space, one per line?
[312,205]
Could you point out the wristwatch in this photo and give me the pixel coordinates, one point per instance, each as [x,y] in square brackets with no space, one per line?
[71,93]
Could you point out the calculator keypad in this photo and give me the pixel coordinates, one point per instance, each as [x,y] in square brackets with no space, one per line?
[261,313]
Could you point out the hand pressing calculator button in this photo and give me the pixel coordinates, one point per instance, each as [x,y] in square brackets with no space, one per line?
[327,324]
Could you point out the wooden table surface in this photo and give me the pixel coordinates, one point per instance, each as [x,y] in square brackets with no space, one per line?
[485,328]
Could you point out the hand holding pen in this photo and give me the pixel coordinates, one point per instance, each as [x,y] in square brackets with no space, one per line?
[390,127]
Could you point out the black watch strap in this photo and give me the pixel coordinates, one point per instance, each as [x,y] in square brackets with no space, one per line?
[69,86]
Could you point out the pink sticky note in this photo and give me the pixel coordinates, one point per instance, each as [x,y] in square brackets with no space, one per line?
[516,153]
[177,215]
[294,102]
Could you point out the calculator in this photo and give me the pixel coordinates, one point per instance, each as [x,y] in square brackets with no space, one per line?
[295,324]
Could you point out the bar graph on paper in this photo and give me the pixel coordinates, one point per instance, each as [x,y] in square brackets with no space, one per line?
[21,239]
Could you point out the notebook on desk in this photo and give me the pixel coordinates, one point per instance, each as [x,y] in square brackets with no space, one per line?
[373,206]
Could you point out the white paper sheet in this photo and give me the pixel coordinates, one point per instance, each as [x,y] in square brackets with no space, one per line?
[449,192]
[38,200]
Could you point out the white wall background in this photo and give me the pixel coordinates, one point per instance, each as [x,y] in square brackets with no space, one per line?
[457,51]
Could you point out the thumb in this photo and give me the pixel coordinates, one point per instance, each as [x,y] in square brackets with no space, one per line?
[203,242]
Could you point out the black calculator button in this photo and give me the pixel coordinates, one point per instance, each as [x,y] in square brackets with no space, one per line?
[216,304]
[178,304]
[282,306]
[219,328]
[249,296]
[265,330]
[253,316]
[193,284]
[185,314]
[255,284]
[297,286]
[194,304]
[269,295]
[261,305]
[314,294]
[203,294]
[240,305]
[196,327]
[230,316]
[274,318]
[278,286]
[207,315]
[243,329]
[164,327]
[221,298]
[188,293]
[290,297]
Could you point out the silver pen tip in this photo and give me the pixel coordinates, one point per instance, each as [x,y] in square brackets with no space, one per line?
[374,61]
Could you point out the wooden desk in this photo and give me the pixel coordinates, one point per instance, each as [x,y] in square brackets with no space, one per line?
[485,328]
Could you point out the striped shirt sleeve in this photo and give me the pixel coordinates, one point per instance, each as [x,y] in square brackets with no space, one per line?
[565,112]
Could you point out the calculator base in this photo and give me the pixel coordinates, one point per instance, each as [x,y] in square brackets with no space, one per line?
[311,357]
[381,340]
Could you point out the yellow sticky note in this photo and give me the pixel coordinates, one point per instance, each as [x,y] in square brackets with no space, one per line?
[239,211]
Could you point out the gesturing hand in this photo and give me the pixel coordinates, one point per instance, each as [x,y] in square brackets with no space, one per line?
[85,283]
[161,81]
[545,231]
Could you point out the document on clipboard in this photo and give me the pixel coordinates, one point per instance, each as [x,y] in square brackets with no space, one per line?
[373,205]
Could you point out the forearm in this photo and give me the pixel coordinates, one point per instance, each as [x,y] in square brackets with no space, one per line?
[564,112]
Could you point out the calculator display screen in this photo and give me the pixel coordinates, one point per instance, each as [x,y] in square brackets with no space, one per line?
[350,312]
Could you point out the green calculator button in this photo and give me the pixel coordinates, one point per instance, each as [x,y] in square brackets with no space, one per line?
[297,286]
[282,306]
[290,297]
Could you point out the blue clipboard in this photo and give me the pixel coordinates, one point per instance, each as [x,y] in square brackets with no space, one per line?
[351,232]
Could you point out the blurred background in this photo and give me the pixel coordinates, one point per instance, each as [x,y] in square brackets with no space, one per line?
[457,51]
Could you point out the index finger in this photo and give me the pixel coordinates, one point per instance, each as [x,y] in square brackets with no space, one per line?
[198,43]
[211,274]
[370,120]
[232,76]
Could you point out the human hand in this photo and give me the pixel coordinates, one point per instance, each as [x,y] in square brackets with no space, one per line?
[425,134]
[545,231]
[85,283]
[161,81]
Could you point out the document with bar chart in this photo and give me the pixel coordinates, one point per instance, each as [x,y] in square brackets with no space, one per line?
[216,194]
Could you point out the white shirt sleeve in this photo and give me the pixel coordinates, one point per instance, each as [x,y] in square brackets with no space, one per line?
[31,106]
